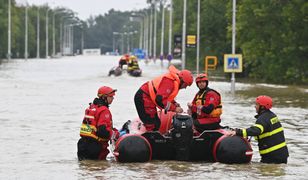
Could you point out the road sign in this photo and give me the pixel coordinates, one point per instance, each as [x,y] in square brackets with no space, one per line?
[233,63]
[191,40]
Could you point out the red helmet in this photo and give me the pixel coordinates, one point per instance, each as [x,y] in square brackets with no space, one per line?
[106,91]
[186,76]
[265,101]
[201,77]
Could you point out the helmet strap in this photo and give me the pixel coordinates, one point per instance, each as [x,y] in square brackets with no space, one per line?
[261,109]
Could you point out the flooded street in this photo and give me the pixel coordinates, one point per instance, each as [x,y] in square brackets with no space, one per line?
[43,103]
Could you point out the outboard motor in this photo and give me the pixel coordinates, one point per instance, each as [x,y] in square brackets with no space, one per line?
[182,136]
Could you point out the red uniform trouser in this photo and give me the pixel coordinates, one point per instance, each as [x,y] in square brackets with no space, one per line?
[104,151]
[90,148]
[147,111]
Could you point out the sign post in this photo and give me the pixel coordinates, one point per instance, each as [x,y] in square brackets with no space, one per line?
[233,63]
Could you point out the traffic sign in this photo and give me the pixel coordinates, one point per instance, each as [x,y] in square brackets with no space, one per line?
[191,40]
[233,63]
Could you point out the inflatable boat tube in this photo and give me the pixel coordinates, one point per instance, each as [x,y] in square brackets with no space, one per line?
[136,72]
[132,148]
[232,149]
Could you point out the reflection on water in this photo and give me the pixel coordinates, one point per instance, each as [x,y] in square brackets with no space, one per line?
[283,96]
[270,169]
[43,101]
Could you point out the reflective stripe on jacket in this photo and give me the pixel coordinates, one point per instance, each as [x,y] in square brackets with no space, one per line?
[272,139]
[270,135]
[89,124]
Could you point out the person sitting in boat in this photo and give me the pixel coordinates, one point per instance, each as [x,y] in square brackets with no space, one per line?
[124,60]
[116,71]
[206,106]
[132,64]
[160,92]
[96,128]
[268,132]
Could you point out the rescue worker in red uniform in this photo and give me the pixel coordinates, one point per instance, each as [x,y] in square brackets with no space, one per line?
[124,60]
[97,128]
[206,106]
[268,131]
[160,92]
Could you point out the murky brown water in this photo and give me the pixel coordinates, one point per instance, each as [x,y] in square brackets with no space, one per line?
[43,101]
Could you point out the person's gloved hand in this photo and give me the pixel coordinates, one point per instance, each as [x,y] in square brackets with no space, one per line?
[177,104]
[122,133]
[178,110]
[230,133]
[115,134]
[199,109]
[125,126]
[189,111]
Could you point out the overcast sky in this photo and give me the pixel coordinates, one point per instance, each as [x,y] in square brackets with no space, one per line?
[86,8]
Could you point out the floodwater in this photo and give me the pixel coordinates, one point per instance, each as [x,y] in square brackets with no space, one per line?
[43,101]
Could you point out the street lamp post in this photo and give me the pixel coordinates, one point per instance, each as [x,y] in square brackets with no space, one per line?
[198,37]
[82,40]
[170,31]
[47,33]
[145,34]
[184,34]
[113,39]
[9,31]
[79,24]
[122,43]
[139,18]
[38,34]
[26,31]
[162,32]
[155,31]
[128,42]
[113,42]
[54,32]
[151,31]
[233,43]
[63,32]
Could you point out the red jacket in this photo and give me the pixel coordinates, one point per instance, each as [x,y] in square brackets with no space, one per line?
[164,90]
[95,117]
[207,106]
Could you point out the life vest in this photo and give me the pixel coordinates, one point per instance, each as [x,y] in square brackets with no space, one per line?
[214,116]
[154,85]
[89,124]
[133,65]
